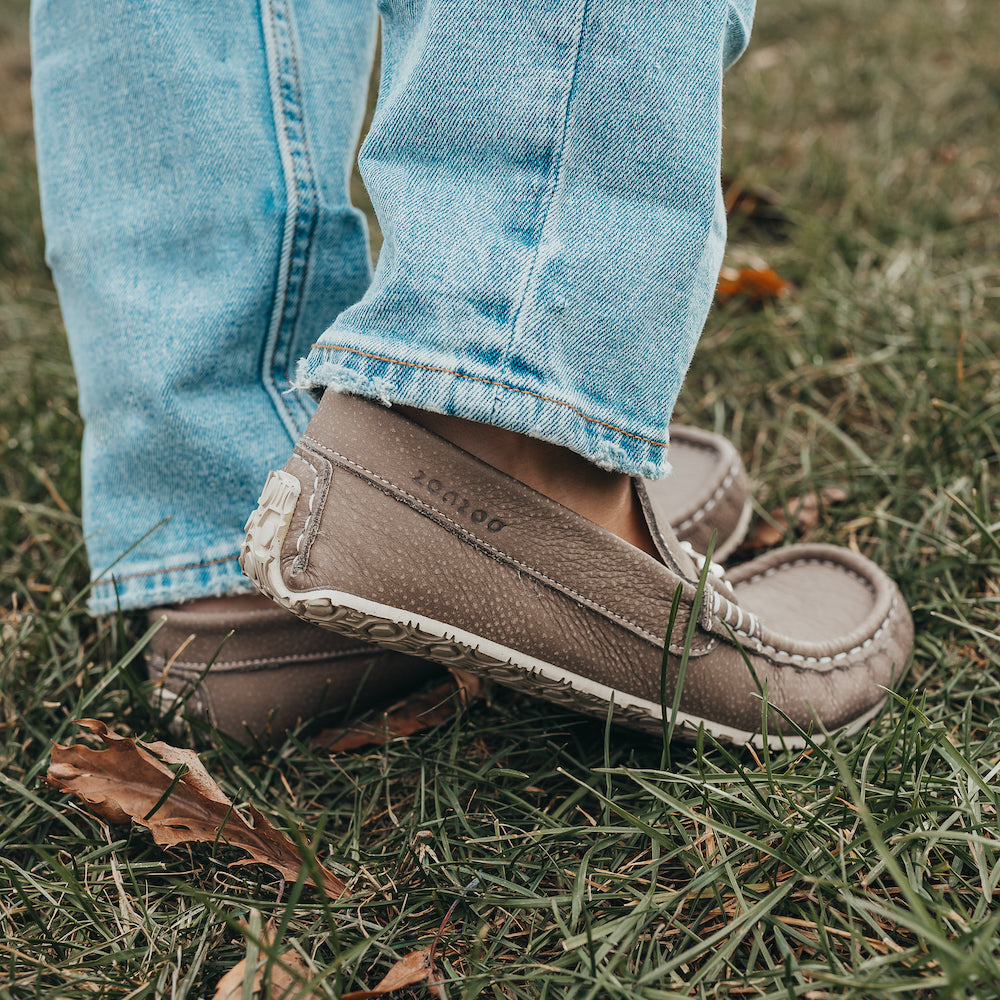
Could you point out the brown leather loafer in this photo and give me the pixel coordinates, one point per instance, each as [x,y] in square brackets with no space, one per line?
[251,669]
[380,530]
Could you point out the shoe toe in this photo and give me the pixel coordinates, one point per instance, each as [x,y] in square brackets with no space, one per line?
[834,633]
[810,594]
[706,494]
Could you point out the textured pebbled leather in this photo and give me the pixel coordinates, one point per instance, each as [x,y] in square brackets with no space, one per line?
[381,530]
[255,672]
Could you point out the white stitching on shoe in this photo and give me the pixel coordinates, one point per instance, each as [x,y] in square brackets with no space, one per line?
[762,647]
[829,563]
[275,662]
[752,629]
[754,624]
[712,502]
[312,498]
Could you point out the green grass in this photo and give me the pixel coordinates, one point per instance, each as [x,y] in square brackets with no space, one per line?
[865,868]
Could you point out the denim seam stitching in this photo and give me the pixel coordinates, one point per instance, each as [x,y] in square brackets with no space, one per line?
[299,187]
[310,189]
[499,385]
[166,569]
[515,329]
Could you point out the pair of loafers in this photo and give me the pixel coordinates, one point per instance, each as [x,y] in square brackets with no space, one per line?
[409,552]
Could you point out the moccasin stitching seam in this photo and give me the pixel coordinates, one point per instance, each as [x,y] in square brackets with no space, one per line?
[266,662]
[302,551]
[810,561]
[713,500]
[835,658]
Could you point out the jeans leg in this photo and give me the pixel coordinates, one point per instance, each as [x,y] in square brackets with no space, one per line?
[547,179]
[194,163]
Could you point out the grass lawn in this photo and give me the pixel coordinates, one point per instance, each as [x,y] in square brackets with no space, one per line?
[607,866]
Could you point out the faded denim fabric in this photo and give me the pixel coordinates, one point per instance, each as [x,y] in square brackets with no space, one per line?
[554,231]
[546,175]
[194,163]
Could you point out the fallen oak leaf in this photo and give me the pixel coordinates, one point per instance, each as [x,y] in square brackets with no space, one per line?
[133,781]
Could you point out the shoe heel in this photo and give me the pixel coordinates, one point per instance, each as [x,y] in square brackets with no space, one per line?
[265,530]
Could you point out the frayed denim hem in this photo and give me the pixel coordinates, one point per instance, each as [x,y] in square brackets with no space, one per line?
[514,409]
[341,378]
[186,581]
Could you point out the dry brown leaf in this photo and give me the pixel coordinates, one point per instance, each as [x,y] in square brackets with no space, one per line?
[753,284]
[419,711]
[282,982]
[129,780]
[417,967]
[804,513]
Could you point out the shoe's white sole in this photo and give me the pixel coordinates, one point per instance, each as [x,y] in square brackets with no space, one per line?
[418,635]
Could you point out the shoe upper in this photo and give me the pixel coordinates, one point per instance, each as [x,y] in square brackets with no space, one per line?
[390,532]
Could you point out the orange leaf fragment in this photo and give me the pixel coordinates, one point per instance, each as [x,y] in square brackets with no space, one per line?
[755,285]
[802,514]
[133,781]
[419,711]
[411,969]
[758,204]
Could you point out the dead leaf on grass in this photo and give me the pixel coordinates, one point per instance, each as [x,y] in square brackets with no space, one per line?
[753,284]
[757,203]
[421,710]
[802,514]
[168,790]
[417,967]
[286,974]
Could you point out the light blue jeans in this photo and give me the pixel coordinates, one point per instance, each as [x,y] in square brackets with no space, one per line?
[546,175]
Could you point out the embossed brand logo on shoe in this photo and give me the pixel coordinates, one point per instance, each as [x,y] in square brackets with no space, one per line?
[460,504]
